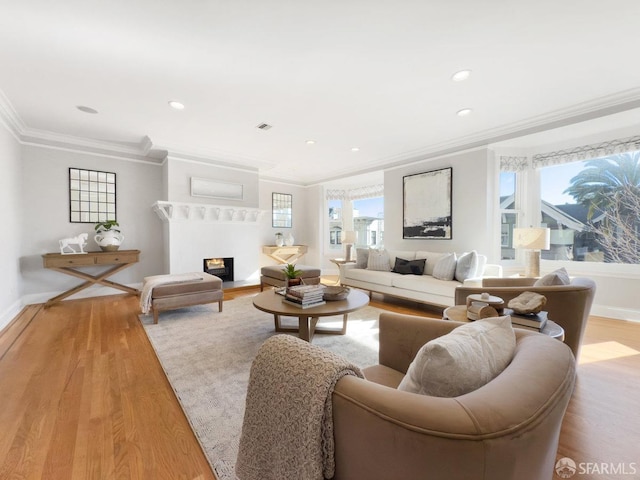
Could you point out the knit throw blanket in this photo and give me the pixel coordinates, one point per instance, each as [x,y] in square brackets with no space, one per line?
[156,280]
[288,423]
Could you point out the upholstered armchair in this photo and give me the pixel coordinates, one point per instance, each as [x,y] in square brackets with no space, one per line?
[568,305]
[507,429]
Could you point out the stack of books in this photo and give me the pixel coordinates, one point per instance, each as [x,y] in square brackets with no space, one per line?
[536,321]
[305,296]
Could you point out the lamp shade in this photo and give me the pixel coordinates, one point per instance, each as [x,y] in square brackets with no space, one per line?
[348,236]
[532,238]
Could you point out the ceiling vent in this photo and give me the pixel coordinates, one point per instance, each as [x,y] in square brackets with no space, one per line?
[264,126]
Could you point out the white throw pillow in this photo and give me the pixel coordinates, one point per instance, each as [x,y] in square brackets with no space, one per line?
[557,277]
[466,266]
[362,257]
[445,267]
[379,260]
[462,361]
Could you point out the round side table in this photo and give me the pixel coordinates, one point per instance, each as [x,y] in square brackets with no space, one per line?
[458,313]
[338,262]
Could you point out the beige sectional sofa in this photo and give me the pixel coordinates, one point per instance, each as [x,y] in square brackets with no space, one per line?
[423,288]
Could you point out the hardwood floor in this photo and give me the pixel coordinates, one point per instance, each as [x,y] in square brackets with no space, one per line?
[82,396]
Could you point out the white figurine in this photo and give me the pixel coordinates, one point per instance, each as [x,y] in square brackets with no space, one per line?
[80,241]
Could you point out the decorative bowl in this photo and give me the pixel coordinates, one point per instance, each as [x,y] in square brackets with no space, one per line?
[336,293]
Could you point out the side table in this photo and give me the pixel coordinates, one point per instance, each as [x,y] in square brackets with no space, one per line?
[286,254]
[69,264]
[458,313]
[338,262]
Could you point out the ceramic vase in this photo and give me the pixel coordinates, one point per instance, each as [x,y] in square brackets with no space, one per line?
[289,241]
[109,240]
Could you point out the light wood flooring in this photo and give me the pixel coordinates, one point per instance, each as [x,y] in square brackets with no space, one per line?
[82,396]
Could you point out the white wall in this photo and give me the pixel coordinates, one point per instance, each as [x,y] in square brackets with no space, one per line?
[10,184]
[44,209]
[302,224]
[473,208]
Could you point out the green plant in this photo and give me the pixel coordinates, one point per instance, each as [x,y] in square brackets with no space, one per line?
[107,225]
[291,272]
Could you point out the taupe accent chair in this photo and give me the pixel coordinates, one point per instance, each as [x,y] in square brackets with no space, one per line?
[506,430]
[568,305]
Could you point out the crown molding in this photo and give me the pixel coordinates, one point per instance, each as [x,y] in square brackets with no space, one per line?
[10,118]
[146,151]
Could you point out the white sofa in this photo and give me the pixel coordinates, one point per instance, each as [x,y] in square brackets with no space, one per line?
[422,288]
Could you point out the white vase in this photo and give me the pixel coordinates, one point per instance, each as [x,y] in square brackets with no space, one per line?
[109,240]
[279,241]
[289,241]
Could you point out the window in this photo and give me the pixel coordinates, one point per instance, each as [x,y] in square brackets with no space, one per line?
[366,215]
[368,221]
[593,209]
[508,214]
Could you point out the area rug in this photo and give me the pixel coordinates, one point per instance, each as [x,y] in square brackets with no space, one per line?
[207,356]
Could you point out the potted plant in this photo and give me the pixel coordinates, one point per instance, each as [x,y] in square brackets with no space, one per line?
[108,237]
[292,275]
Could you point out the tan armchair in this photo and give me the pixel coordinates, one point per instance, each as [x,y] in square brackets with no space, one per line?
[568,305]
[505,430]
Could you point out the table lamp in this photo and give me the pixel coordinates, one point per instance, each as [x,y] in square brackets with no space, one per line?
[348,239]
[532,240]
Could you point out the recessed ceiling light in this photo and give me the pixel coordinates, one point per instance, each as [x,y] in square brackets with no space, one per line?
[355,149]
[464,112]
[177,105]
[310,142]
[84,109]
[461,75]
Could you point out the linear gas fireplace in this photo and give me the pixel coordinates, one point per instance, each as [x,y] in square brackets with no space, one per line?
[220,267]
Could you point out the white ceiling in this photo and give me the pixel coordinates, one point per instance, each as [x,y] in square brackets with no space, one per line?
[372,74]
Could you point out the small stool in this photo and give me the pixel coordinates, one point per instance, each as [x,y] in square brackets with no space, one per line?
[274,275]
[170,296]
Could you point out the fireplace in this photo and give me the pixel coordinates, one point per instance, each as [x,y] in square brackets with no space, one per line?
[220,267]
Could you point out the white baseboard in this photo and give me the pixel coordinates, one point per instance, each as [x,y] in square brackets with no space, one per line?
[616,313]
[10,313]
[94,291]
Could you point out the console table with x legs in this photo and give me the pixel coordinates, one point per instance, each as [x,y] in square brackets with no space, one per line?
[70,263]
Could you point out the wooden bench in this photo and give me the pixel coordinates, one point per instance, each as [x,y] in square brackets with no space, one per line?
[274,275]
[186,294]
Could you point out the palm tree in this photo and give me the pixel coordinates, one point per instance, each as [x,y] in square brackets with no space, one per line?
[597,184]
[611,185]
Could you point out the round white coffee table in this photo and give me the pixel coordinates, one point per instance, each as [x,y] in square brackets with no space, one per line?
[271,302]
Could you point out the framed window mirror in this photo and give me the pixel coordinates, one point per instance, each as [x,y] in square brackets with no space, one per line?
[281,206]
[92,196]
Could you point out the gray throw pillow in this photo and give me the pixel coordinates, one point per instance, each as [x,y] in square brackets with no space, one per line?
[379,260]
[462,361]
[362,257]
[557,277]
[409,267]
[466,266]
[445,267]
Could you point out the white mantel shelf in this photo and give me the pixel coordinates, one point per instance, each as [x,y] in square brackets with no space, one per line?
[201,212]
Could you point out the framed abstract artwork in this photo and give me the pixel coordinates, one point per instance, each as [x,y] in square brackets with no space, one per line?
[427,205]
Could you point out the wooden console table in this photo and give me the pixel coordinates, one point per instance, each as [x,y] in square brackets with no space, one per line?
[285,254]
[69,264]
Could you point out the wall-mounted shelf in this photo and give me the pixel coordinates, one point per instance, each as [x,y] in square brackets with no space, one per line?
[199,212]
